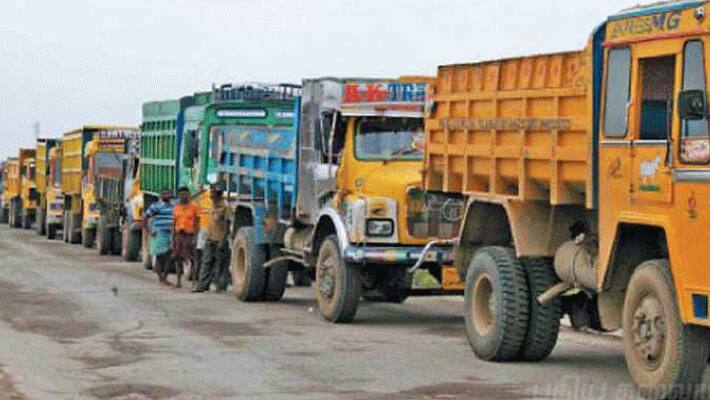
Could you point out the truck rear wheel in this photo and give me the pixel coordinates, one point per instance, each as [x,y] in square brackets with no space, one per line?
[338,284]
[26,221]
[75,233]
[88,238]
[40,224]
[665,358]
[116,242]
[4,215]
[496,304]
[544,323]
[103,238]
[247,266]
[15,215]
[65,227]
[276,278]
[131,244]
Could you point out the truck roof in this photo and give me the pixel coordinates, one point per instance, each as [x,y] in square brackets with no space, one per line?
[655,8]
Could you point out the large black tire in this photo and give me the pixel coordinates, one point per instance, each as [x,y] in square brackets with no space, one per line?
[51,232]
[26,221]
[665,358]
[88,238]
[544,322]
[65,227]
[247,266]
[15,216]
[276,278]
[75,231]
[103,237]
[116,242]
[496,332]
[338,284]
[131,248]
[4,215]
[40,223]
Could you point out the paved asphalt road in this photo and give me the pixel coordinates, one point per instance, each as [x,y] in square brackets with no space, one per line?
[65,334]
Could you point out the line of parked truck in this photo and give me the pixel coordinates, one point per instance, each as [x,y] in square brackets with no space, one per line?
[573,183]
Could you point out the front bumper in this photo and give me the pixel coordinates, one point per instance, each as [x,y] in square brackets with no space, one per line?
[441,255]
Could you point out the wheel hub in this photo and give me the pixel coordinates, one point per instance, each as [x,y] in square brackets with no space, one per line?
[484,305]
[326,279]
[649,330]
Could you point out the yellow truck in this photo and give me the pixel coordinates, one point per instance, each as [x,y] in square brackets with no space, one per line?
[42,175]
[28,194]
[586,176]
[11,189]
[112,158]
[81,211]
[21,193]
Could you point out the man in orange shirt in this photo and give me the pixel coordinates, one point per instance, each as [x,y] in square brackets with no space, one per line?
[186,224]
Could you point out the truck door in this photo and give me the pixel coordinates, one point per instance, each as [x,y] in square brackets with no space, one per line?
[651,152]
[615,143]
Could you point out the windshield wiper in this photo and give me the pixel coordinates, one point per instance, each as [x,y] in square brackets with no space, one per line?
[401,152]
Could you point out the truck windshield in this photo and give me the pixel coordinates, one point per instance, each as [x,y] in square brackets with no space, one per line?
[384,139]
[109,164]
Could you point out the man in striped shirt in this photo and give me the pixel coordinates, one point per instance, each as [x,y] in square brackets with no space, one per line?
[160,216]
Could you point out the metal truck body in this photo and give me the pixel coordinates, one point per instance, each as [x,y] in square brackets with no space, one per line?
[161,142]
[585,174]
[321,183]
[4,208]
[12,190]
[21,194]
[42,167]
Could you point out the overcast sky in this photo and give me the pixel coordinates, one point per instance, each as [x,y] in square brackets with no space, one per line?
[71,62]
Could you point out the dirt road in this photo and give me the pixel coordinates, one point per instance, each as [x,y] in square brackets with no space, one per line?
[77,325]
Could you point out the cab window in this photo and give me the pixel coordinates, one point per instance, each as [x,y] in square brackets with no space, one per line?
[657,83]
[617,92]
[695,143]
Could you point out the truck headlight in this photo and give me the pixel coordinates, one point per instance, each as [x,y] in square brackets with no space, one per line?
[380,227]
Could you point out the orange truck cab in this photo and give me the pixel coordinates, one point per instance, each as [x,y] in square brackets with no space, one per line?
[586,175]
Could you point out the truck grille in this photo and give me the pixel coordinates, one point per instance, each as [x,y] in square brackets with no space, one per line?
[433,215]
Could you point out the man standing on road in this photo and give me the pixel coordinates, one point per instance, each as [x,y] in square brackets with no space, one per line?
[160,216]
[186,218]
[216,254]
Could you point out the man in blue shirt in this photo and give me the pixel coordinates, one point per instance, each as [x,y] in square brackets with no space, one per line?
[160,217]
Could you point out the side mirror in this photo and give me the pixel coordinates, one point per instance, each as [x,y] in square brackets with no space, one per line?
[692,105]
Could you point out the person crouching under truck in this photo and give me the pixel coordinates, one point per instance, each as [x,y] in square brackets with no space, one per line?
[186,223]
[215,260]
[160,215]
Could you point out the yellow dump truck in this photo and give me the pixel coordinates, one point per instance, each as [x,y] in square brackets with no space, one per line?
[28,194]
[586,176]
[112,157]
[21,194]
[42,172]
[11,188]
[81,211]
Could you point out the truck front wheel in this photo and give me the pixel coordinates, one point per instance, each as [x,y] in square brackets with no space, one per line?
[496,304]
[51,231]
[338,284]
[665,358]
[4,215]
[247,266]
